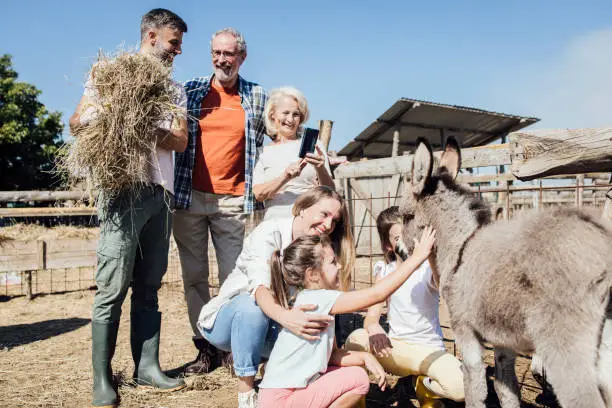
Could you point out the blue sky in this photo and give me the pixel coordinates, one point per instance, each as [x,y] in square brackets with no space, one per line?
[352,59]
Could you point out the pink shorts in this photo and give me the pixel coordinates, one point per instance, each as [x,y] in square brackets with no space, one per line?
[321,393]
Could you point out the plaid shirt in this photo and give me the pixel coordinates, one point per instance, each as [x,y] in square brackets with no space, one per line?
[253,100]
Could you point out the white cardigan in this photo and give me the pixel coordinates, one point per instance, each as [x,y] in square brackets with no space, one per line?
[252,266]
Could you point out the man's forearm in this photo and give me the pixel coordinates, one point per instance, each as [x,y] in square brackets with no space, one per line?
[172,139]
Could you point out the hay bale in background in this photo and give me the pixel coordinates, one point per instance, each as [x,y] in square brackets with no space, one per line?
[135,94]
[26,232]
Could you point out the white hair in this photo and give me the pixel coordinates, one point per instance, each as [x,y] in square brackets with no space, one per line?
[275,96]
[242,46]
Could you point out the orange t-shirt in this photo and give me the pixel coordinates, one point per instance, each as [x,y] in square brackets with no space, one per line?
[220,147]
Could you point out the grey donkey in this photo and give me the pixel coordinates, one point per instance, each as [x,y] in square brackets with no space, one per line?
[540,283]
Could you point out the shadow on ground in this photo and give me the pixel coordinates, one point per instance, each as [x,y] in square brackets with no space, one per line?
[20,334]
[402,395]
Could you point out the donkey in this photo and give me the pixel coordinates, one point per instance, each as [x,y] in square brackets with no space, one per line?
[540,283]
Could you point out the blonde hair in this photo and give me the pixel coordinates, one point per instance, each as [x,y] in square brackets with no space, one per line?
[290,268]
[273,100]
[342,235]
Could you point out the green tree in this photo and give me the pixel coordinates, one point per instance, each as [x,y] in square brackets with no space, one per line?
[30,136]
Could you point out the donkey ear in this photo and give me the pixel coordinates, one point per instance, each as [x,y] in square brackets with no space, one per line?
[421,166]
[450,162]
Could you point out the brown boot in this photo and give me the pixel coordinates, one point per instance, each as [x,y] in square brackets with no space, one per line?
[426,397]
[206,361]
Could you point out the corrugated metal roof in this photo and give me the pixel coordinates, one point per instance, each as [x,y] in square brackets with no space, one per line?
[435,121]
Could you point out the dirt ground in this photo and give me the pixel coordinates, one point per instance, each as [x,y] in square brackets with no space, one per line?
[45,358]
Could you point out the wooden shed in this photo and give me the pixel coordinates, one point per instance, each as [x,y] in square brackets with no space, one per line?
[411,119]
[396,132]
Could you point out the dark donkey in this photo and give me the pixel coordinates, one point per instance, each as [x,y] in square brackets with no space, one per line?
[540,283]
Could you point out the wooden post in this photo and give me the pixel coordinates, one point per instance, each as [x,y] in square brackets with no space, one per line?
[325,129]
[41,264]
[372,225]
[395,179]
[501,196]
[579,189]
[348,198]
[395,148]
[607,211]
[28,275]
[540,196]
[507,212]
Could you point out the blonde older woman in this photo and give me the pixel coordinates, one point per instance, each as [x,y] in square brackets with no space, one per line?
[280,176]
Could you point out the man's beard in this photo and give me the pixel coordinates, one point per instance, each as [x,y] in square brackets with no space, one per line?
[166,57]
[225,72]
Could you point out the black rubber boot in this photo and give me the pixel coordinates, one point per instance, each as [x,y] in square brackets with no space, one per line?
[145,327]
[206,361]
[103,341]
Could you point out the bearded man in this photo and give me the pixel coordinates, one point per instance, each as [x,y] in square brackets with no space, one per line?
[135,230]
[214,176]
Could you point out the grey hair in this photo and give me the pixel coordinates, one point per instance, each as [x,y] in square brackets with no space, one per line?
[274,99]
[158,18]
[242,45]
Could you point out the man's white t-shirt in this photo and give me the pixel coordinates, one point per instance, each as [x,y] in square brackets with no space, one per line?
[161,164]
[272,161]
[414,308]
[294,361]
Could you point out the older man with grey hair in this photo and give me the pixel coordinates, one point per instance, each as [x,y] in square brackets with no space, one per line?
[213,177]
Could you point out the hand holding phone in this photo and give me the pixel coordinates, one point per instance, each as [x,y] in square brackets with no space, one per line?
[309,140]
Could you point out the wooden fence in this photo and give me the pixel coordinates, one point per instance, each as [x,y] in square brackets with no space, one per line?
[369,187]
[52,266]
[565,167]
[48,266]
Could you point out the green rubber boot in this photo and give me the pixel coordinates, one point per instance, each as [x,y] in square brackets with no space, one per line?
[145,351]
[103,340]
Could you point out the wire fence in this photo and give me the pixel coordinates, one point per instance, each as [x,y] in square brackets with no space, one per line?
[505,202]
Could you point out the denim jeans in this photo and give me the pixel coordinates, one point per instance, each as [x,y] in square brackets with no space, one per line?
[242,328]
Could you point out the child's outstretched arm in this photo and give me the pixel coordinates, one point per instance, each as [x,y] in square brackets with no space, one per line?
[360,299]
[378,339]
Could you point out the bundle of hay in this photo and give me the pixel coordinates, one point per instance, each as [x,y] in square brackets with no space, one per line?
[135,94]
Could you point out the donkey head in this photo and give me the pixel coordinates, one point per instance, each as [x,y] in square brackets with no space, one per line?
[433,198]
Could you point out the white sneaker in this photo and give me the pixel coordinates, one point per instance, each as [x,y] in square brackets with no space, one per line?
[247,399]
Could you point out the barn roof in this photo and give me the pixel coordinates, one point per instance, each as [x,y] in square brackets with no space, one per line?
[434,121]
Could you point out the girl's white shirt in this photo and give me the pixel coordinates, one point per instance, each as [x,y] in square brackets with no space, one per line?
[413,314]
[252,266]
[294,361]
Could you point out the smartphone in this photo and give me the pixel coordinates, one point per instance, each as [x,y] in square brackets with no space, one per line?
[309,140]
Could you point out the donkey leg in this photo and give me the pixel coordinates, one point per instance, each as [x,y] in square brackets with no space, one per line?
[604,362]
[474,375]
[573,376]
[506,385]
